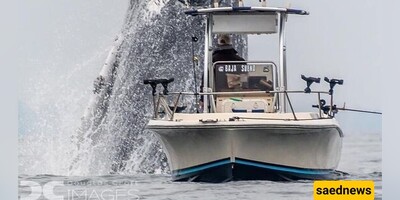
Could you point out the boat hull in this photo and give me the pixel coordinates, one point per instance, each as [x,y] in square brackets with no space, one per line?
[224,170]
[251,151]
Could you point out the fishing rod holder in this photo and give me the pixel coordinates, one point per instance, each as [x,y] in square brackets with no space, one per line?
[154,82]
[161,101]
[330,110]
[310,80]
[332,83]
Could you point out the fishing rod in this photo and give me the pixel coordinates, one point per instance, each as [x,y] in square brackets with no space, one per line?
[358,110]
[326,109]
[362,111]
[194,63]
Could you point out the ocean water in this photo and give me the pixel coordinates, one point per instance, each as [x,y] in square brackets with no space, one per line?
[361,159]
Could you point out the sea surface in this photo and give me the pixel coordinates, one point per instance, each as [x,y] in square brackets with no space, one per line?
[361,159]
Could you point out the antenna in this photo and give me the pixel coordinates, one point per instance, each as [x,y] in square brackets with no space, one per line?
[195,62]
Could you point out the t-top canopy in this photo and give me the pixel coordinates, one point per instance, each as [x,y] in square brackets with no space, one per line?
[245,9]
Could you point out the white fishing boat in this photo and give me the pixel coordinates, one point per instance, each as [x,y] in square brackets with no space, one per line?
[248,129]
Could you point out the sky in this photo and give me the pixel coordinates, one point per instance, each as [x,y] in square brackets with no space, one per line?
[63,44]
[334,41]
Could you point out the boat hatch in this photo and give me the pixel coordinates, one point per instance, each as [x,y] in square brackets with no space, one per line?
[242,76]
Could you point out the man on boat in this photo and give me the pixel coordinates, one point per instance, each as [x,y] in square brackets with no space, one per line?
[225,50]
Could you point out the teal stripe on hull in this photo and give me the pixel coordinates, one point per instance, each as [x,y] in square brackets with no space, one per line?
[202,167]
[254,164]
[284,169]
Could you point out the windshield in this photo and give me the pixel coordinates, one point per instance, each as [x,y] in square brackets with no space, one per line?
[243,77]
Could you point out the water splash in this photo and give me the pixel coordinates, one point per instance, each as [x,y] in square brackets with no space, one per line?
[155,48]
[155,42]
